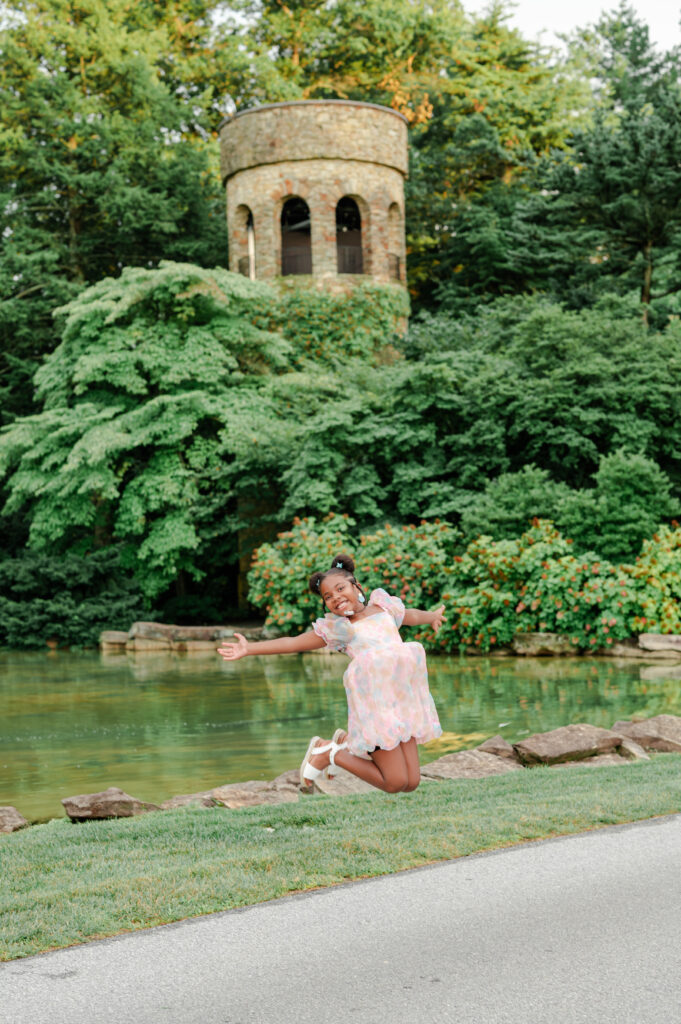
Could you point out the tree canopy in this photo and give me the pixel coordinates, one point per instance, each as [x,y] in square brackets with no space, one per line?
[163,416]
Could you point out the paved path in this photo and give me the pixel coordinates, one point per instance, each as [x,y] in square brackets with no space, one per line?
[581,929]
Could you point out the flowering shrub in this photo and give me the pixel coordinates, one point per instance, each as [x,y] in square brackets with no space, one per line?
[657,572]
[412,562]
[492,589]
[278,577]
[532,584]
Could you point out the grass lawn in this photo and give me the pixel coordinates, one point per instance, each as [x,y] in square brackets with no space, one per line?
[62,884]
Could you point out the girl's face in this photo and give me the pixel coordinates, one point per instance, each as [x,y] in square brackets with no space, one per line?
[340,595]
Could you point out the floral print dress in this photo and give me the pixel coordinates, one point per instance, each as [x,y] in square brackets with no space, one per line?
[386,682]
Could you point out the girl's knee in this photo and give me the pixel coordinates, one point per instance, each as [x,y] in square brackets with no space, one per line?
[396,783]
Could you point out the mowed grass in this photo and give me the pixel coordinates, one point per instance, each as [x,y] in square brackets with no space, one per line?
[62,884]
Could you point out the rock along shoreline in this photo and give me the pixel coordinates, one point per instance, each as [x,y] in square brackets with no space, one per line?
[626,743]
[160,636]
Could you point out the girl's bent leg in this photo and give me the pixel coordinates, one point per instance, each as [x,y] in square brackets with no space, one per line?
[411,757]
[387,769]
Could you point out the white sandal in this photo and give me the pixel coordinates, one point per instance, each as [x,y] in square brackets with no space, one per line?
[308,773]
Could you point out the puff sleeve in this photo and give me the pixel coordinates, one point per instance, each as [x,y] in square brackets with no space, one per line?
[389,604]
[334,630]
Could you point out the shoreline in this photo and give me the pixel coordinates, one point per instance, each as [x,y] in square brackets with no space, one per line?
[627,741]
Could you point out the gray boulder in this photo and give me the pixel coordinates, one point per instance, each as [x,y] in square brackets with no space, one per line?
[660,642]
[11,820]
[599,761]
[498,746]
[252,794]
[110,803]
[569,743]
[663,732]
[633,751]
[342,784]
[151,631]
[204,799]
[628,649]
[113,639]
[539,645]
[468,764]
[288,780]
[251,632]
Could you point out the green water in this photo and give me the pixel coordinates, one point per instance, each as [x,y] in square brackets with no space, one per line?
[159,725]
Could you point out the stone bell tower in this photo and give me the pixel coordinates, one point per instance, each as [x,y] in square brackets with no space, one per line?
[316,187]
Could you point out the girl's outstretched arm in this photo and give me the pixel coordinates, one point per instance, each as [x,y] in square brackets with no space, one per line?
[416,617]
[285,645]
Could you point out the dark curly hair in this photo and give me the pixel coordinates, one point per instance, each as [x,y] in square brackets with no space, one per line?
[342,565]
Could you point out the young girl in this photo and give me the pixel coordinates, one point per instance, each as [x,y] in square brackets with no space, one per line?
[390,708]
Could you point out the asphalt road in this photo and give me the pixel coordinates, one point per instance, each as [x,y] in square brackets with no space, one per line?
[581,929]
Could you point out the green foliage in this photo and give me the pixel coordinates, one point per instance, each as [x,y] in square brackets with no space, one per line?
[169,415]
[536,583]
[510,501]
[616,53]
[68,599]
[617,197]
[104,162]
[410,561]
[393,52]
[657,572]
[630,498]
[523,383]
[328,327]
[277,580]
[156,373]
[597,211]
[492,589]
[503,103]
[183,409]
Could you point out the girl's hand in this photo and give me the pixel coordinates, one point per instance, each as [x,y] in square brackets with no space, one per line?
[230,652]
[438,618]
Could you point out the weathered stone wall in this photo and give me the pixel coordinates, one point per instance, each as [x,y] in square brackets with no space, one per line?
[321,183]
[320,152]
[307,129]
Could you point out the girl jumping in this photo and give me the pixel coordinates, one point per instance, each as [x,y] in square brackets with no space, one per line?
[390,708]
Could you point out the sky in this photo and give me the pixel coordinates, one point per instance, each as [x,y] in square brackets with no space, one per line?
[531,16]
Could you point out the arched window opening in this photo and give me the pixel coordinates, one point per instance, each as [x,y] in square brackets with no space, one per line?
[395,243]
[245,240]
[296,239]
[349,237]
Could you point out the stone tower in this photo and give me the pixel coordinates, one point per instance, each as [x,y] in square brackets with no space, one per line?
[316,187]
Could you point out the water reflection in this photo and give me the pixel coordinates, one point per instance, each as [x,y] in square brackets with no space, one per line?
[158,724]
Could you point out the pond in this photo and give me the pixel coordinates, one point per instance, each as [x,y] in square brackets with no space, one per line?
[158,725]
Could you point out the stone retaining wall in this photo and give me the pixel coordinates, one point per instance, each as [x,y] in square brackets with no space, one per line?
[160,636]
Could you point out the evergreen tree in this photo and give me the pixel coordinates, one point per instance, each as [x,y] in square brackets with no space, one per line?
[106,156]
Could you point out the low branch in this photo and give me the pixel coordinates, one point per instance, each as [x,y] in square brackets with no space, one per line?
[26,291]
[670,291]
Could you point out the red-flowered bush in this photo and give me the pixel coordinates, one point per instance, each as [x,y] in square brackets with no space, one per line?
[657,573]
[492,589]
[536,583]
[413,562]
